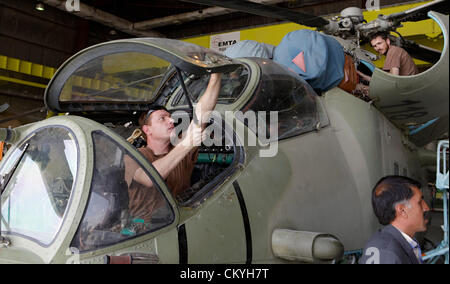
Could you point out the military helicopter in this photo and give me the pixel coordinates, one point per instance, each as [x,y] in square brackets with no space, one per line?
[349,25]
[301,195]
[352,31]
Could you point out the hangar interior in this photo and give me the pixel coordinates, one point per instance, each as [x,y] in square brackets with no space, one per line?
[37,36]
[35,42]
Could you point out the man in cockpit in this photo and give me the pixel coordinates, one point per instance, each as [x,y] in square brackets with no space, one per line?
[174,163]
[398,61]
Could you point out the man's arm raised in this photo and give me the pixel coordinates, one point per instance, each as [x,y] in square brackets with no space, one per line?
[193,137]
[208,101]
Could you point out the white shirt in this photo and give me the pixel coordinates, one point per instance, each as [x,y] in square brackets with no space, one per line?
[415,246]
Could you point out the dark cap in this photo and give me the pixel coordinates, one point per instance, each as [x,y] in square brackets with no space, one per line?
[152,109]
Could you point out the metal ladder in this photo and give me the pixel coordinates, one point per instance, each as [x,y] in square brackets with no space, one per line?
[442,174]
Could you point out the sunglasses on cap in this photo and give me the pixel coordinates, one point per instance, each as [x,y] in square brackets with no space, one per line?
[153,109]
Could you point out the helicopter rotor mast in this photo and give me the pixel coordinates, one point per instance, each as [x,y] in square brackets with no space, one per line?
[349,25]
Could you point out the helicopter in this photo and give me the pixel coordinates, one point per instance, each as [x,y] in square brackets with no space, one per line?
[352,32]
[290,188]
[349,25]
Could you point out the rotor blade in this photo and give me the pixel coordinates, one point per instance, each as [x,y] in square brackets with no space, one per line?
[422,52]
[421,12]
[266,11]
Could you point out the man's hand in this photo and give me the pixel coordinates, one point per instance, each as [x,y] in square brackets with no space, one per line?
[194,136]
[364,76]
[395,71]
[208,101]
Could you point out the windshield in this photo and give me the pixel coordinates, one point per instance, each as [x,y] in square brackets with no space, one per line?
[284,101]
[37,193]
[123,77]
[233,84]
[119,208]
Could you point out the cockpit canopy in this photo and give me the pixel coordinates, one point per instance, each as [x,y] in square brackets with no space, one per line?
[127,74]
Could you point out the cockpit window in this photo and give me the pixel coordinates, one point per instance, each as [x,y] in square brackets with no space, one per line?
[283,106]
[233,84]
[119,208]
[39,177]
[121,77]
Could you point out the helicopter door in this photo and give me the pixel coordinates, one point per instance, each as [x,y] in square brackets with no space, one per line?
[121,209]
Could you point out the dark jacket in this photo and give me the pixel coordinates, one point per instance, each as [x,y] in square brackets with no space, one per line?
[388,246]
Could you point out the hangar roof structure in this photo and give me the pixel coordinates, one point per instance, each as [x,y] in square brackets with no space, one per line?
[179,19]
[35,42]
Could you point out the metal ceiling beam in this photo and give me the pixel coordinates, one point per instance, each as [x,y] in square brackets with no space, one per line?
[268,11]
[143,29]
[107,19]
[181,18]
[192,16]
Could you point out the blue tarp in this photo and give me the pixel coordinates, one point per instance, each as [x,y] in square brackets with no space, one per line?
[250,48]
[316,57]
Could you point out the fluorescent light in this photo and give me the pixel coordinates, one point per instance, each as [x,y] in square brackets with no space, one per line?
[40,6]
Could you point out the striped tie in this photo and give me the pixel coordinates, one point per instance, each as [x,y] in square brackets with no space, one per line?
[418,253]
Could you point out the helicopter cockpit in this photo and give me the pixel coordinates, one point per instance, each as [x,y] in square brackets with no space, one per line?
[40,176]
[112,84]
[80,163]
